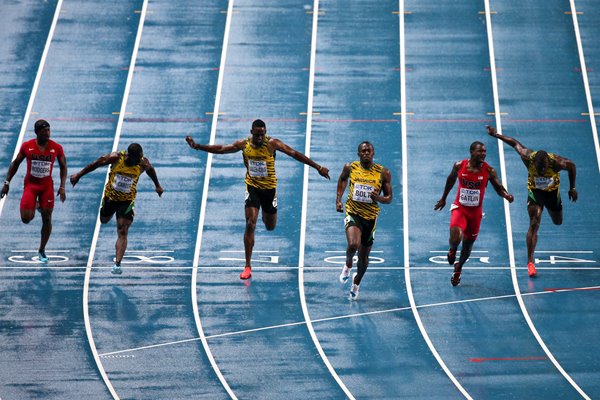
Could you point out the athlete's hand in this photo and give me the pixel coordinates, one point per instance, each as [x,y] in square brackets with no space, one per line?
[4,192]
[190,141]
[62,194]
[338,206]
[492,131]
[74,179]
[374,197]
[159,190]
[441,203]
[573,194]
[510,198]
[324,172]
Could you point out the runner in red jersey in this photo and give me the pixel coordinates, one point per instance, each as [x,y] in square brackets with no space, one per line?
[40,154]
[473,175]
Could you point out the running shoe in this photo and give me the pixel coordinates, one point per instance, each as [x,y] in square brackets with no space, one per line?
[42,257]
[455,279]
[354,289]
[344,275]
[247,273]
[451,256]
[531,269]
[116,270]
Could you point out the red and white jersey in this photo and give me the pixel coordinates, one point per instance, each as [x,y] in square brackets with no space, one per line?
[471,185]
[40,163]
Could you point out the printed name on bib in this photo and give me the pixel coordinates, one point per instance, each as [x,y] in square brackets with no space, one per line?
[40,169]
[123,183]
[469,197]
[257,169]
[543,182]
[362,193]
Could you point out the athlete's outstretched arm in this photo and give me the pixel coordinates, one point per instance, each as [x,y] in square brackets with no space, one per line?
[216,148]
[386,188]
[12,170]
[103,160]
[341,187]
[523,151]
[502,192]
[279,145]
[450,181]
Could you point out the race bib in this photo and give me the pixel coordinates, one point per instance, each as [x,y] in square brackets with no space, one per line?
[40,169]
[362,193]
[257,169]
[122,183]
[543,182]
[469,197]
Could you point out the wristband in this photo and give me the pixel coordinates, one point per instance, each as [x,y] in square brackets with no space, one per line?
[571,189]
[7,183]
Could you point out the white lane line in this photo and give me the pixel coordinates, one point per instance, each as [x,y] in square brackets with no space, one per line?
[39,266]
[586,83]
[213,134]
[36,84]
[88,271]
[509,234]
[309,114]
[405,214]
[391,310]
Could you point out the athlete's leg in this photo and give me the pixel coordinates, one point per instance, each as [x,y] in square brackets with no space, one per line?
[46,228]
[251,217]
[27,206]
[535,216]
[353,234]
[123,225]
[362,264]
[270,220]
[557,216]
[107,210]
[456,236]
[465,251]
[458,223]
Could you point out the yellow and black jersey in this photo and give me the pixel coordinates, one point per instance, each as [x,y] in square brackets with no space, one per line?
[549,181]
[122,180]
[363,182]
[260,165]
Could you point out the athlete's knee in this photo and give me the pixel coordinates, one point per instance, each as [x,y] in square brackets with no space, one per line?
[270,225]
[557,218]
[534,224]
[353,247]
[250,225]
[27,216]
[456,235]
[122,228]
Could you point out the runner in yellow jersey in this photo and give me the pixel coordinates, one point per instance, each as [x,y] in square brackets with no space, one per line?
[259,151]
[370,184]
[120,191]
[543,186]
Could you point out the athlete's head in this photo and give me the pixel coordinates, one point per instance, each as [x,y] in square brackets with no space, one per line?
[134,154]
[366,151]
[42,130]
[478,152]
[258,131]
[541,161]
